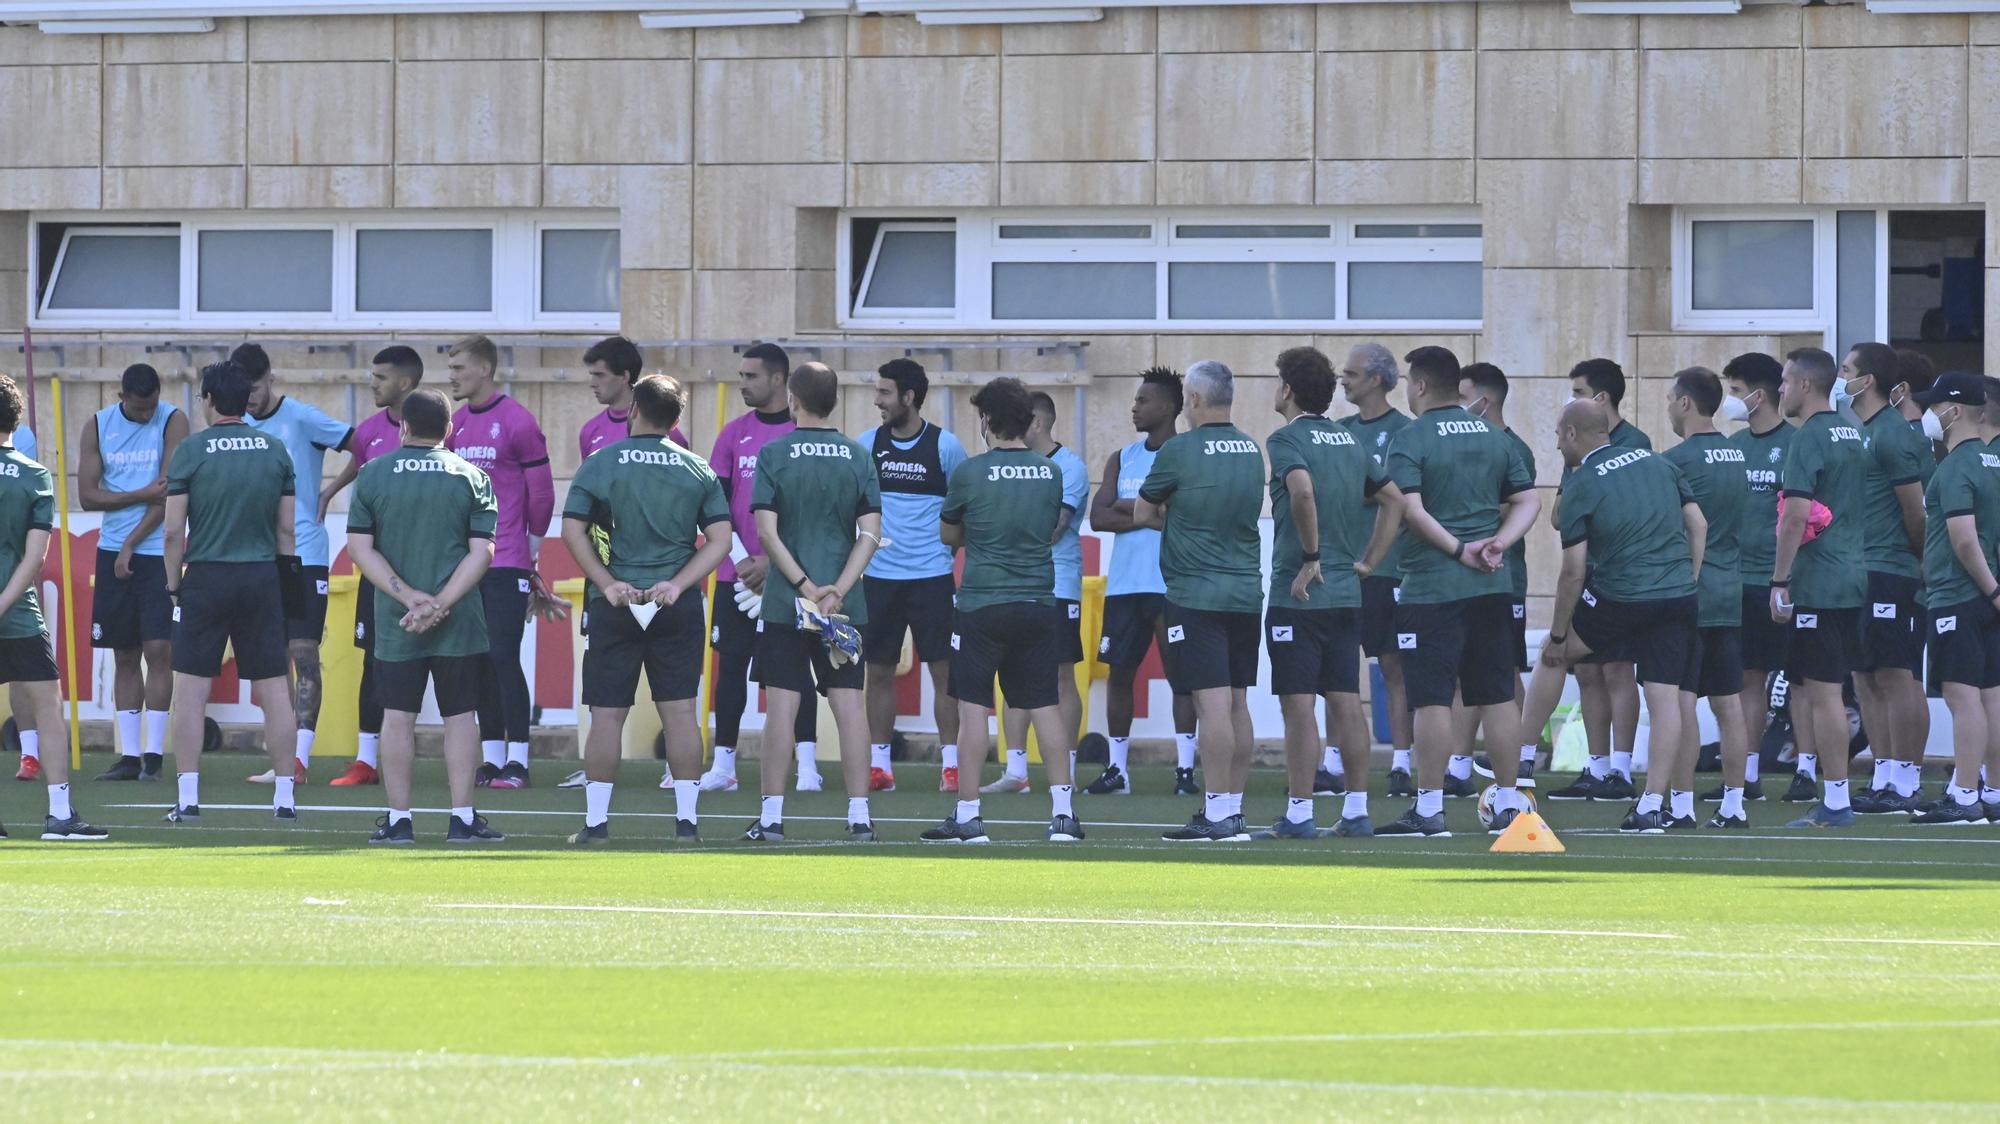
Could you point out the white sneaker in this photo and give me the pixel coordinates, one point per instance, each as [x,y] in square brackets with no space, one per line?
[268,776]
[574,780]
[713,781]
[667,779]
[810,782]
[1006,785]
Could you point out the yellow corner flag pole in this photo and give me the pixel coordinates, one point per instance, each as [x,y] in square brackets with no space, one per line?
[706,709]
[68,579]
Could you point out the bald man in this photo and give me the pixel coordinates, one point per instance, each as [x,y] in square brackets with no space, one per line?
[1630,520]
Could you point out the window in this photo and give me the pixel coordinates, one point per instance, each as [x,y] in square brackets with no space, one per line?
[443,270]
[1110,268]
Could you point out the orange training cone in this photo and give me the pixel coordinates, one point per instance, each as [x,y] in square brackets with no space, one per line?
[1529,834]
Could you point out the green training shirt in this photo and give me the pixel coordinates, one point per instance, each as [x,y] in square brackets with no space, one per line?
[1967,482]
[233,477]
[27,503]
[1624,435]
[1757,531]
[1344,476]
[1008,501]
[1212,480]
[1517,555]
[424,505]
[1713,468]
[1626,503]
[654,498]
[1375,435]
[818,482]
[1829,463]
[1464,470]
[1897,455]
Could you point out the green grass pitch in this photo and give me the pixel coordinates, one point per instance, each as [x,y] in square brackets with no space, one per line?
[241,972]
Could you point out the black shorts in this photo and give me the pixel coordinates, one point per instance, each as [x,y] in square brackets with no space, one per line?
[1520,608]
[400,683]
[1720,674]
[1457,648]
[504,592]
[790,660]
[1825,644]
[27,659]
[1767,645]
[364,616]
[1017,643]
[921,606]
[1210,649]
[1130,620]
[1314,651]
[1657,636]
[231,604]
[1378,615]
[312,625]
[127,613]
[730,629]
[1965,645]
[1892,634]
[615,648]
[1069,636]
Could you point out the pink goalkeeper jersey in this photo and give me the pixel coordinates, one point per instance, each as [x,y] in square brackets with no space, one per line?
[503,440]
[612,425]
[735,463]
[376,436]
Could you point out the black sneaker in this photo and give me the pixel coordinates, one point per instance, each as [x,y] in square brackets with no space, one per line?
[515,774]
[1184,783]
[393,833]
[1616,786]
[761,832]
[478,831]
[1803,790]
[1525,775]
[127,769]
[1502,821]
[150,765]
[1642,823]
[188,815]
[1482,765]
[1239,831]
[1328,783]
[285,816]
[485,775]
[1065,829]
[1460,787]
[951,831]
[592,836]
[1993,811]
[1201,829]
[1950,813]
[1111,782]
[1672,823]
[3,831]
[1411,824]
[1753,790]
[686,832]
[1868,802]
[1892,802]
[72,830]
[1584,787]
[1720,822]
[1400,783]
[861,833]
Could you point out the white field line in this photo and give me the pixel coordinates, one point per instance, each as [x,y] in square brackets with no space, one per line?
[1901,941]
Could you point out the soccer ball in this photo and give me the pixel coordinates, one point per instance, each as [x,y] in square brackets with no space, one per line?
[1486,813]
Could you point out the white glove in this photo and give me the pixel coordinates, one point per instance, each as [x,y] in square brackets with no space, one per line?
[749,601]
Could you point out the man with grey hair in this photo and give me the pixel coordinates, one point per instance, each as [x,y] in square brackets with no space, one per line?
[1205,493]
[1367,377]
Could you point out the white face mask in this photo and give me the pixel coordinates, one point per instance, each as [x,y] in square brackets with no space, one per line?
[1476,407]
[1733,408]
[1841,398]
[1933,426]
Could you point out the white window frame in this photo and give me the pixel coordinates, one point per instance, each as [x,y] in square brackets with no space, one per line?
[874,255]
[1819,318]
[517,269]
[980,247]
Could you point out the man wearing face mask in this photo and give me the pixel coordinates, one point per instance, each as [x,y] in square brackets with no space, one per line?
[1888,679]
[1753,380]
[1606,682]
[1962,516]
[1483,388]
[1819,587]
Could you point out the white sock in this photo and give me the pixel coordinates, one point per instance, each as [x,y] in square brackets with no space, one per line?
[1963,797]
[190,789]
[1906,776]
[281,793]
[1732,802]
[1184,746]
[1598,767]
[857,810]
[1059,799]
[1017,763]
[1988,795]
[968,810]
[1329,759]
[1621,763]
[1072,763]
[156,732]
[368,750]
[464,815]
[1215,805]
[1460,767]
[686,793]
[398,815]
[1879,778]
[1750,766]
[1297,810]
[1681,802]
[1649,802]
[493,753]
[725,760]
[1354,804]
[773,811]
[1430,801]
[1121,754]
[596,802]
[59,801]
[1528,753]
[31,745]
[1808,764]
[304,750]
[127,724]
[878,757]
[949,755]
[1399,759]
[1506,797]
[1836,796]
[808,755]
[517,754]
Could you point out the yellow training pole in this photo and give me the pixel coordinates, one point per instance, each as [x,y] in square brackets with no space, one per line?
[68,580]
[707,706]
